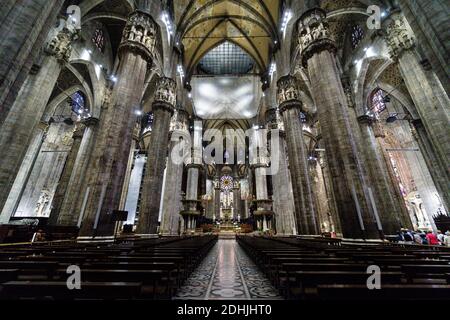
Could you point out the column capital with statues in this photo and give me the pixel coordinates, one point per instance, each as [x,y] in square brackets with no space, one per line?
[165,94]
[399,36]
[313,34]
[288,95]
[60,41]
[140,35]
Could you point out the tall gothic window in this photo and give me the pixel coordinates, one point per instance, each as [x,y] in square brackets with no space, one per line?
[303,117]
[147,121]
[78,102]
[99,39]
[357,35]
[378,104]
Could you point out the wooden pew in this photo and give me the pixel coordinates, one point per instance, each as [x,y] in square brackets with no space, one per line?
[58,290]
[387,292]
[302,281]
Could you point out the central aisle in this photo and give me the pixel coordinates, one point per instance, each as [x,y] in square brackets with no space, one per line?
[227,273]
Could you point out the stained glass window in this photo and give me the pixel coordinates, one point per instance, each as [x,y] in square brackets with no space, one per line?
[99,39]
[303,117]
[378,104]
[227,58]
[357,35]
[78,102]
[147,121]
[226,183]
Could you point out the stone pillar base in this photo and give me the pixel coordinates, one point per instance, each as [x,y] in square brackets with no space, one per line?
[190,217]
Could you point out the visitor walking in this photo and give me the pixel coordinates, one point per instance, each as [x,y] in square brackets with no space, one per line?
[432,239]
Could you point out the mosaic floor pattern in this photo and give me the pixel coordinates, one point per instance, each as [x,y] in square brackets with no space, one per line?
[227,273]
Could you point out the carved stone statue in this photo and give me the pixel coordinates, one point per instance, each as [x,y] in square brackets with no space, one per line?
[287,90]
[313,33]
[166,91]
[398,37]
[60,42]
[140,34]
[42,205]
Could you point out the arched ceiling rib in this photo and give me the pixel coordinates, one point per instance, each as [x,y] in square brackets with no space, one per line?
[204,24]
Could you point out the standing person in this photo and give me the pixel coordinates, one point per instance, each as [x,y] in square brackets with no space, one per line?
[432,239]
[447,239]
[407,236]
[418,238]
[424,238]
[38,236]
[440,236]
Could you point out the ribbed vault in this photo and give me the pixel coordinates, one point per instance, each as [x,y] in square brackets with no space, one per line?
[203,24]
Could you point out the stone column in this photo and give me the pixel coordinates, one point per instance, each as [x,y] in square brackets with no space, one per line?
[429,97]
[236,198]
[163,109]
[290,107]
[264,212]
[320,198]
[331,203]
[216,199]
[191,203]
[24,26]
[426,148]
[242,206]
[390,210]
[429,21]
[75,192]
[172,195]
[283,199]
[20,183]
[318,55]
[17,129]
[110,158]
[126,183]
[64,180]
[210,198]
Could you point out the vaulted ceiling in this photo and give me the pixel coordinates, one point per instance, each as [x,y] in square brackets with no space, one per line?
[204,24]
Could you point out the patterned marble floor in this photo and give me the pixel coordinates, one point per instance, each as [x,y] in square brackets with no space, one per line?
[227,273]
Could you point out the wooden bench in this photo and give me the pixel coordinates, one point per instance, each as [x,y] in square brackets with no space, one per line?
[387,292]
[58,290]
[302,281]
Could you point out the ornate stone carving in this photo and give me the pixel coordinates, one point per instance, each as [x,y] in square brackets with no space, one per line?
[44,126]
[260,162]
[166,92]
[42,206]
[313,34]
[375,123]
[60,43]
[217,183]
[107,98]
[274,120]
[67,138]
[398,36]
[348,91]
[140,34]
[378,129]
[287,93]
[179,121]
[136,131]
[79,130]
